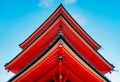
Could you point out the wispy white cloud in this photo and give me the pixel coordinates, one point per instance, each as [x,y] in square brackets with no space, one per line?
[70,1]
[80,19]
[45,3]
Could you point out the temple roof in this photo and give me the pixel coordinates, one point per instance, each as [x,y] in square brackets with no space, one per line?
[59,35]
[45,39]
[49,21]
[74,65]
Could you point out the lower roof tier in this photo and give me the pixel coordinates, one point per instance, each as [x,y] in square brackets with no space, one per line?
[45,68]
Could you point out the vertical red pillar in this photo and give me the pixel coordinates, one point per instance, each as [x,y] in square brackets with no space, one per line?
[60,69]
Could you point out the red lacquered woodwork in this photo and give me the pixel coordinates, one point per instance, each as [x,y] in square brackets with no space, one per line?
[47,70]
[59,35]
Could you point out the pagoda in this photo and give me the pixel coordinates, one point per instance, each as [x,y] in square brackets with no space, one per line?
[59,51]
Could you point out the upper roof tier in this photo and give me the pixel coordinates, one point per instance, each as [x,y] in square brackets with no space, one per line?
[49,21]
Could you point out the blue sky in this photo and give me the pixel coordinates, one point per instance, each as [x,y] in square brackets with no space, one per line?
[99,18]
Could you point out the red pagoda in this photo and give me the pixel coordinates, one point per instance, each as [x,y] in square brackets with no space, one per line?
[59,51]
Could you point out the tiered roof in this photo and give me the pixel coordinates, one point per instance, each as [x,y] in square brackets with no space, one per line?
[80,57]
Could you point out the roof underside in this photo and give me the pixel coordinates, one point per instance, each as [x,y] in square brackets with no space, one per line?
[45,67]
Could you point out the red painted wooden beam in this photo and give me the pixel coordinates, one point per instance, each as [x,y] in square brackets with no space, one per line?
[60,69]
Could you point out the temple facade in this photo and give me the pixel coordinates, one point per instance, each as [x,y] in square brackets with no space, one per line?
[59,51]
